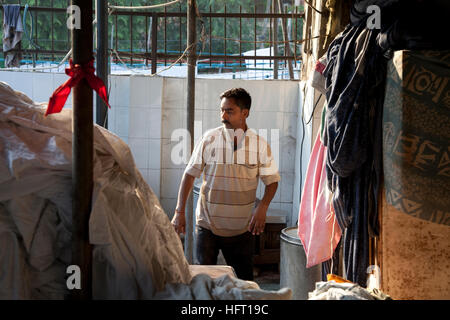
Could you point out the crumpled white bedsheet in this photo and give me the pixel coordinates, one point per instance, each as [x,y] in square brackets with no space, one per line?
[203,287]
[136,255]
[331,290]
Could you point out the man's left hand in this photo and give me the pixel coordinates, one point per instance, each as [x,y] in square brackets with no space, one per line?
[258,220]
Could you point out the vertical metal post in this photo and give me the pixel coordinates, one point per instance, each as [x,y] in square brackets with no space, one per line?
[295,40]
[52,32]
[36,55]
[146,41]
[82,154]
[270,37]
[131,39]
[181,34]
[165,36]
[275,41]
[116,25]
[210,37]
[241,61]
[102,60]
[192,60]
[287,48]
[154,41]
[254,34]
[225,36]
[69,43]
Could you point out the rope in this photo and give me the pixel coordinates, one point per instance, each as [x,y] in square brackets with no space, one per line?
[162,70]
[143,7]
[121,61]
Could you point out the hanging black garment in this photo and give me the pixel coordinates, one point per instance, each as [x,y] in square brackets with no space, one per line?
[355,74]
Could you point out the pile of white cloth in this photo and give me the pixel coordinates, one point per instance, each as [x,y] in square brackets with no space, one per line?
[136,252]
[331,290]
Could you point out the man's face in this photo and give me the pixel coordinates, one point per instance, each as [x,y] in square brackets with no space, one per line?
[233,117]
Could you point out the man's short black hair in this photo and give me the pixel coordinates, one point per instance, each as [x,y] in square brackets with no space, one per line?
[241,97]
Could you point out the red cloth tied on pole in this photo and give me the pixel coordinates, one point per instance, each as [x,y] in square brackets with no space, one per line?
[76,73]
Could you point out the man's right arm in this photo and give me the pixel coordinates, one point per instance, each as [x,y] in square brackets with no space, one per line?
[179,219]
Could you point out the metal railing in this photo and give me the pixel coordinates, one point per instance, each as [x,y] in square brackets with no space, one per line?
[264,39]
[56,42]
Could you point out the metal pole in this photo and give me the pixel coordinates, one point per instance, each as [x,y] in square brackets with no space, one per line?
[192,60]
[102,60]
[82,154]
[287,48]
[154,41]
[275,39]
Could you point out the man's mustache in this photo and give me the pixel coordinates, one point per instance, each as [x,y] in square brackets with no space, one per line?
[225,122]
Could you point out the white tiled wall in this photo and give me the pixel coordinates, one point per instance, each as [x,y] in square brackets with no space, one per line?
[39,86]
[136,117]
[274,106]
[146,110]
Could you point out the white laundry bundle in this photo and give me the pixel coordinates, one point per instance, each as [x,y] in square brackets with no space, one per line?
[332,290]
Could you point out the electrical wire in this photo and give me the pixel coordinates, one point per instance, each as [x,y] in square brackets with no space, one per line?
[314,109]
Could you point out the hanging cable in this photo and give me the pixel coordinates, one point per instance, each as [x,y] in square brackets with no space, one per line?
[144,7]
[301,143]
[25,11]
[314,109]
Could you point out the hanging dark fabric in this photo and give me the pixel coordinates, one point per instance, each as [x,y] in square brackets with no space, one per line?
[355,74]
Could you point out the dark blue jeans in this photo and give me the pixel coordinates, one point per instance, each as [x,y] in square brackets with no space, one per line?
[237,251]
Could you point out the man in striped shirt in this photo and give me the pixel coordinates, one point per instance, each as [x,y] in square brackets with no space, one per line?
[231,159]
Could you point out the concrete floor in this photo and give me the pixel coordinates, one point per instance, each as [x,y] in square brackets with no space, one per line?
[267,277]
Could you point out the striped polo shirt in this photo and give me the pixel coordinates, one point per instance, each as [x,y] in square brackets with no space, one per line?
[230,178]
